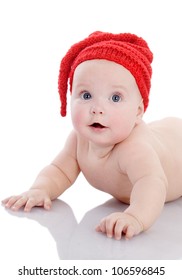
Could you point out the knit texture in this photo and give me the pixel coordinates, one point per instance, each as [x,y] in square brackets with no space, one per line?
[126,49]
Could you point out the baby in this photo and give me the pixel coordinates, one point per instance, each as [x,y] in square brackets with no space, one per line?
[118,153]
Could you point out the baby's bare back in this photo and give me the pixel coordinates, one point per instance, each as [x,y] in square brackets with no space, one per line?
[169,133]
[164,136]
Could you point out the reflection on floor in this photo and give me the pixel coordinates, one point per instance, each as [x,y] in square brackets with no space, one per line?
[80,240]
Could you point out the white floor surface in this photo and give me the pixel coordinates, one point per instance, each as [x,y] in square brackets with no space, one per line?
[67,231]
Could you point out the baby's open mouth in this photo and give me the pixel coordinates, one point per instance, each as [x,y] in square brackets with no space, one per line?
[97,125]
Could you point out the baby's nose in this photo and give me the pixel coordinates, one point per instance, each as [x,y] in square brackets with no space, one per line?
[97,111]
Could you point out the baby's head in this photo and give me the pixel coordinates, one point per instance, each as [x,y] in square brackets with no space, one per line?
[125,49]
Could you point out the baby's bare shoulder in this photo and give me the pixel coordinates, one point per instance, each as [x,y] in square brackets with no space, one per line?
[157,134]
[157,138]
[167,123]
[148,141]
[136,147]
[168,131]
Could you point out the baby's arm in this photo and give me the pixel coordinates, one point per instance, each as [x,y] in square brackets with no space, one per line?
[51,182]
[147,197]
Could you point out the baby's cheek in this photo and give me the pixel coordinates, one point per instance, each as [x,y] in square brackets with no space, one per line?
[125,124]
[77,118]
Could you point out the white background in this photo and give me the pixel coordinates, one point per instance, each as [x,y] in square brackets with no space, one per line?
[34,36]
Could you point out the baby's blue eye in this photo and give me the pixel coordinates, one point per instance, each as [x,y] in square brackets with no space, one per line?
[116,98]
[86,96]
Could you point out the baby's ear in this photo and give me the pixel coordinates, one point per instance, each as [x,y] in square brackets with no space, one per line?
[140,112]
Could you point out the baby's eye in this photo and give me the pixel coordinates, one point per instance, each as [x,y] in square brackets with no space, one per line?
[86,95]
[116,98]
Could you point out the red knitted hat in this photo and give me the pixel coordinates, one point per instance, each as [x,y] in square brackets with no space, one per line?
[126,49]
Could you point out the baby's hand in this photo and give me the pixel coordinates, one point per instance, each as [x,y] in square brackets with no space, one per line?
[29,199]
[120,223]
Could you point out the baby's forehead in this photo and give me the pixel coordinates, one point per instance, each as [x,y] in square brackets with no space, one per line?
[104,66]
[103,70]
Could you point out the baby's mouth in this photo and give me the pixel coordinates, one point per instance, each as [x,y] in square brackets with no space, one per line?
[97,125]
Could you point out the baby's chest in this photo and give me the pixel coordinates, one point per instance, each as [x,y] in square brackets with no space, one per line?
[98,172]
[104,175]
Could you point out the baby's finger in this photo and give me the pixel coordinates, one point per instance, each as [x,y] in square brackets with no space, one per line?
[11,201]
[47,203]
[130,232]
[4,201]
[118,230]
[98,229]
[19,203]
[102,226]
[31,202]
[110,225]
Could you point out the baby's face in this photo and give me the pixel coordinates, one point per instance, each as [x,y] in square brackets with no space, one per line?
[105,103]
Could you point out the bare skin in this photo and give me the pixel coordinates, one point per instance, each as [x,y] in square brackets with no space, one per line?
[115,149]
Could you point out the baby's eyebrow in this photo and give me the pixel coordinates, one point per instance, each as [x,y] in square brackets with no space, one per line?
[119,87]
[81,85]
